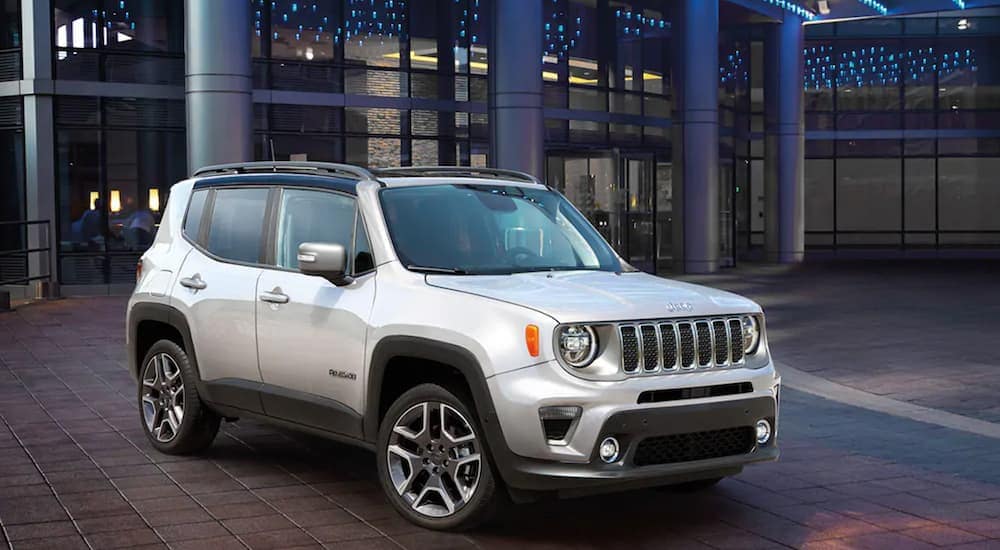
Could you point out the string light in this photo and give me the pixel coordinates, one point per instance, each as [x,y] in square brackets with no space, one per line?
[876,5]
[793,8]
[879,66]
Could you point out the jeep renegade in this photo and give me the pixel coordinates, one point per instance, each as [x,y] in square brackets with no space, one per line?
[467,325]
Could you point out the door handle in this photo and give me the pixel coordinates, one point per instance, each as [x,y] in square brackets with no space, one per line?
[194,282]
[274,297]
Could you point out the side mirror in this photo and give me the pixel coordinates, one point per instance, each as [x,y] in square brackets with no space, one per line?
[325,260]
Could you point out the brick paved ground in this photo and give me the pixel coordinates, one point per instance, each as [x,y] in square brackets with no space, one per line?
[921,332]
[76,471]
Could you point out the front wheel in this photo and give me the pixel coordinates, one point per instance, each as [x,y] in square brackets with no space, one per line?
[433,463]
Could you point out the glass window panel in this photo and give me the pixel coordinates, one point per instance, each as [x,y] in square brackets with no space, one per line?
[869,147]
[192,218]
[869,194]
[373,121]
[961,147]
[236,229]
[588,99]
[13,192]
[819,194]
[142,26]
[581,34]
[10,24]
[424,152]
[587,131]
[371,32]
[305,147]
[383,83]
[364,261]
[868,77]
[81,199]
[967,73]
[312,217]
[305,31]
[918,196]
[140,168]
[374,152]
[968,194]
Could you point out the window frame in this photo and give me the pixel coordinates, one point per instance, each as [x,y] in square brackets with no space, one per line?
[201,241]
[272,246]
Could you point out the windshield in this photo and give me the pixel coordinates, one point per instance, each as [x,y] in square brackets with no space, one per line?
[491,229]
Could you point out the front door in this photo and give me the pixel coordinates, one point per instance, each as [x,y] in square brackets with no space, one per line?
[311,333]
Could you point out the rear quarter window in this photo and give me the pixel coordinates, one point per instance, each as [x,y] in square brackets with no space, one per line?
[195,211]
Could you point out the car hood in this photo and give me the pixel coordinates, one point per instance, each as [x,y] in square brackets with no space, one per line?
[591,296]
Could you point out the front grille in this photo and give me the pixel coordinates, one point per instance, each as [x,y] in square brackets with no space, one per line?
[669,346]
[670,449]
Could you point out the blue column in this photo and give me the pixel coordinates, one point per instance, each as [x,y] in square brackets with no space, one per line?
[784,162]
[218,82]
[696,134]
[517,123]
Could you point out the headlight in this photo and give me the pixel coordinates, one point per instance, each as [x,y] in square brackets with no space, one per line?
[577,345]
[751,334]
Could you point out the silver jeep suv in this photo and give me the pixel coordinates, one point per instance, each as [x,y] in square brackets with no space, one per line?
[468,325]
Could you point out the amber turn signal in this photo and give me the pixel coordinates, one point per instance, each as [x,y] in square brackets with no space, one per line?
[531,339]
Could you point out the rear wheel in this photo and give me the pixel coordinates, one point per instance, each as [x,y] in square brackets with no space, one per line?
[173,417]
[433,462]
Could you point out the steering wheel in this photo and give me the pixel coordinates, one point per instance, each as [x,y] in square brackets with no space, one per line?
[522,255]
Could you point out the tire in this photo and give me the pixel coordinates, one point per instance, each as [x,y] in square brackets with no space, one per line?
[165,369]
[435,489]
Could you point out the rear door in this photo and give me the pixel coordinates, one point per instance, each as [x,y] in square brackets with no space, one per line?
[311,333]
[216,290]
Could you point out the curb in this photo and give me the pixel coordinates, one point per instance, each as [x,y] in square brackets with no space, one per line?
[821,387]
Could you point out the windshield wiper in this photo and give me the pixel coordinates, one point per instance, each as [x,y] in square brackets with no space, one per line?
[445,270]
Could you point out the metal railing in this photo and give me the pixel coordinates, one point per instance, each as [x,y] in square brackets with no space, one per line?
[27,250]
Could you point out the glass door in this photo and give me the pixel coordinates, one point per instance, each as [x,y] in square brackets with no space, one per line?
[590,182]
[639,211]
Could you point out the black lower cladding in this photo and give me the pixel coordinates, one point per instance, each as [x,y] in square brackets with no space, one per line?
[670,449]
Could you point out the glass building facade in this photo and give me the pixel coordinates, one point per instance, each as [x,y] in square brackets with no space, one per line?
[901,118]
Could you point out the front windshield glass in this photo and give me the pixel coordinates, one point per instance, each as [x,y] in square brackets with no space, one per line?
[491,229]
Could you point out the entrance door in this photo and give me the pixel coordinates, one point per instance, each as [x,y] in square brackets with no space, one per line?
[639,211]
[590,182]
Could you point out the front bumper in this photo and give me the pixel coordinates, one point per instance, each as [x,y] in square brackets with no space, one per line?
[631,428]
[528,461]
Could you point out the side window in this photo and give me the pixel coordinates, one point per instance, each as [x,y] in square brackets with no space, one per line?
[363,259]
[312,216]
[192,223]
[237,226]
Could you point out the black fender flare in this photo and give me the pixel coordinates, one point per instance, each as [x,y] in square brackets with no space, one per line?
[448,354]
[162,313]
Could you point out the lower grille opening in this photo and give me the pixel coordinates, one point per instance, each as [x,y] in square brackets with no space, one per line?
[670,449]
[678,394]
[556,428]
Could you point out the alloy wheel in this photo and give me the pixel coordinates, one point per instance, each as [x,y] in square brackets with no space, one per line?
[162,397]
[434,459]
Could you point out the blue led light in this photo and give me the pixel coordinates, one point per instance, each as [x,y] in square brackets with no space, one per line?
[875,5]
[792,7]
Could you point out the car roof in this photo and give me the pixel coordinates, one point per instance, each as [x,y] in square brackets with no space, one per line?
[333,183]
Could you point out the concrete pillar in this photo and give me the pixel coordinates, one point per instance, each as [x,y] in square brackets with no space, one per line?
[218,82]
[696,135]
[517,124]
[39,138]
[784,163]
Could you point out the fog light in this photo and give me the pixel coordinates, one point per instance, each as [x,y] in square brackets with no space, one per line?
[763,431]
[609,450]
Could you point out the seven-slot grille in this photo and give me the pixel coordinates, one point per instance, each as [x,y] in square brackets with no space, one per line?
[671,346]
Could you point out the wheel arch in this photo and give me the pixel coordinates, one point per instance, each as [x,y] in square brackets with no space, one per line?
[150,322]
[431,361]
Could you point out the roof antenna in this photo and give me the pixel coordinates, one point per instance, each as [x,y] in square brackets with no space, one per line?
[274,161]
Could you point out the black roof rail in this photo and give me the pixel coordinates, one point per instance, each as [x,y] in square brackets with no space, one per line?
[456,171]
[329,168]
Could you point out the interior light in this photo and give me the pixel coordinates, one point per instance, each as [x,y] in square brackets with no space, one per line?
[116,201]
[154,200]
[963,24]
[94,195]
[309,54]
